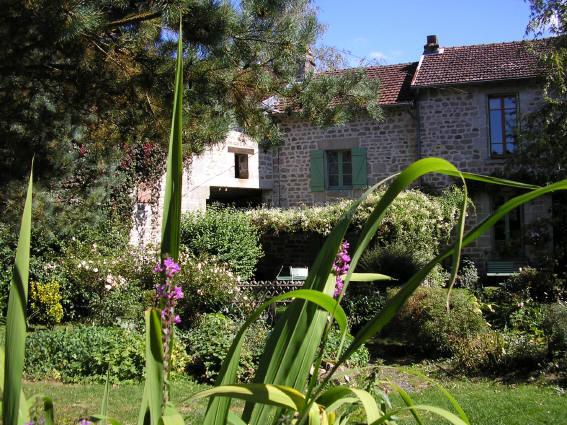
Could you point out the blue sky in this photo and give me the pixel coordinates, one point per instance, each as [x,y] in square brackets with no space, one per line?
[394,31]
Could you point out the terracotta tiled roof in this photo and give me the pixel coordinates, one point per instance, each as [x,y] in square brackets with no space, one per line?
[479,63]
[395,81]
[395,87]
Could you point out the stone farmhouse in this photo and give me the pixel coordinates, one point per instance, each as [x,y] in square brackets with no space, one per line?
[464,104]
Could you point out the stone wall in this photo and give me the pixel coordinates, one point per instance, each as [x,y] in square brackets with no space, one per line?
[213,168]
[454,124]
[391,145]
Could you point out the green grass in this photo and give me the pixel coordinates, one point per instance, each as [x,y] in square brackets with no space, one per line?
[490,403]
[74,401]
[486,402]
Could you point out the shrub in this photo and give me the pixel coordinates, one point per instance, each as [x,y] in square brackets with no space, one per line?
[512,306]
[84,353]
[433,329]
[414,218]
[555,327]
[209,341]
[468,275]
[495,353]
[362,302]
[7,254]
[225,233]
[541,286]
[103,285]
[72,355]
[359,358]
[481,353]
[208,286]
[45,303]
[401,262]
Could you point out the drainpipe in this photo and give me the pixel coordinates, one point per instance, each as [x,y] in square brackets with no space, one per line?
[418,124]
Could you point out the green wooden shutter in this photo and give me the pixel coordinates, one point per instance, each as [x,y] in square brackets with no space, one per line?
[317,171]
[359,168]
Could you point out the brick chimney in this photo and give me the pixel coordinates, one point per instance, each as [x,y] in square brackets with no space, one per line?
[432,46]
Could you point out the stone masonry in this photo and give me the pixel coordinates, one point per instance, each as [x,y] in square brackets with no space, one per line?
[391,146]
[451,123]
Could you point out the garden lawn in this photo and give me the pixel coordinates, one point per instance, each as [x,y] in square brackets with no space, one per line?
[486,402]
[489,403]
[74,401]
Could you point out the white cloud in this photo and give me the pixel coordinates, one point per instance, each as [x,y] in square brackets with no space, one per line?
[377,55]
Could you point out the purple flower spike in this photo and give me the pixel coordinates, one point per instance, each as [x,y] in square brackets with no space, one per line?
[340,267]
[177,293]
[171,267]
[167,295]
[158,268]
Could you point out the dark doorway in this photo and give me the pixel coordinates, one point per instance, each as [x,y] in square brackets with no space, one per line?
[235,196]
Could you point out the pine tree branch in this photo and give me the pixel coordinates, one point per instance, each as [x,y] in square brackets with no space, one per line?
[140,17]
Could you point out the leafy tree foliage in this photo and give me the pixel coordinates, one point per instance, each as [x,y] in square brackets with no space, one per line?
[542,155]
[543,147]
[87,86]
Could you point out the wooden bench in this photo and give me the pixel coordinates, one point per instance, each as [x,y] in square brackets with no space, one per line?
[501,268]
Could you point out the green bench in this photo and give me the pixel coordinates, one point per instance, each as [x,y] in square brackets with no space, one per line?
[502,268]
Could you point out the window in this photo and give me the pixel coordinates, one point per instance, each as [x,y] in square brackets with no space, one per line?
[503,112]
[240,166]
[508,241]
[339,169]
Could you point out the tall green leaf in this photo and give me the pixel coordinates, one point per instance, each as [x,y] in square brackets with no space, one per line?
[443,391]
[105,396]
[408,401]
[296,337]
[24,405]
[334,397]
[448,416]
[16,319]
[171,227]
[292,345]
[393,305]
[151,407]
[217,411]
[274,395]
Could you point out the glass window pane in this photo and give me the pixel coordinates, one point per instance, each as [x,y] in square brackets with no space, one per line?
[347,180]
[497,149]
[510,102]
[510,144]
[333,163]
[347,162]
[495,103]
[333,180]
[510,117]
[496,126]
